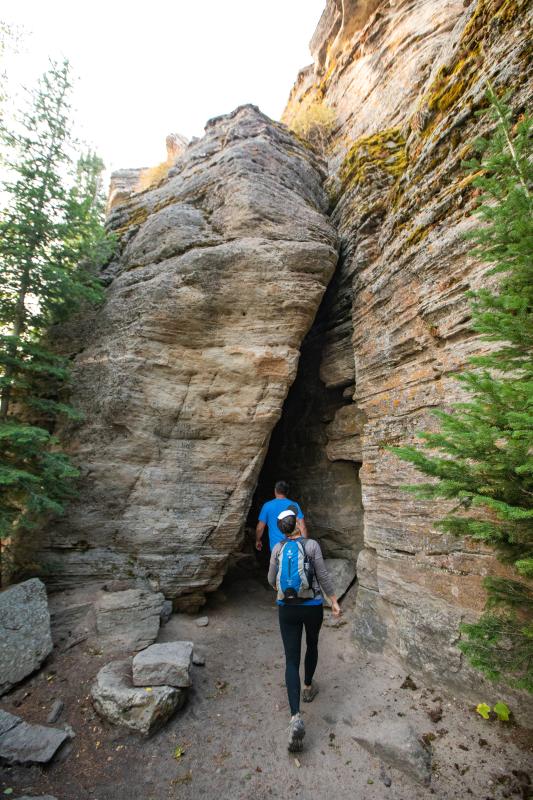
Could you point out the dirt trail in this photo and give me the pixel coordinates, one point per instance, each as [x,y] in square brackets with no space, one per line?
[233,728]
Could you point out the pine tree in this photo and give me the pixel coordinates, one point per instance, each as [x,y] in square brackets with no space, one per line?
[51,240]
[483,455]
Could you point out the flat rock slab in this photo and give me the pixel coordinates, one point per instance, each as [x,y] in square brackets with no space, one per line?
[128,620]
[397,743]
[22,743]
[145,709]
[342,572]
[37,797]
[25,636]
[166,664]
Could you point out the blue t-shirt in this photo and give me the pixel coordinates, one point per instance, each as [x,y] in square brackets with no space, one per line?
[269,515]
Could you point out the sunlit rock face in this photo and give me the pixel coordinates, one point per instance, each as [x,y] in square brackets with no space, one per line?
[183,372]
[405,81]
[122,185]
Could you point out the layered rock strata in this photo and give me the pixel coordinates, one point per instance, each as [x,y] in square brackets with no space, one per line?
[405,81]
[183,372]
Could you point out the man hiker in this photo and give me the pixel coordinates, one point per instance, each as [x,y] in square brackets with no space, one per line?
[268,516]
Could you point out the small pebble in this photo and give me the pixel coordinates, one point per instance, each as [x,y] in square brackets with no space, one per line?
[198,659]
[202,622]
[55,712]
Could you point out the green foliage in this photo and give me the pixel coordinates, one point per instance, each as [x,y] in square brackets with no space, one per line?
[51,242]
[500,709]
[482,457]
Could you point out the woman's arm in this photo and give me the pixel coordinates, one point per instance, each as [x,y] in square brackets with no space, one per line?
[323,577]
[273,566]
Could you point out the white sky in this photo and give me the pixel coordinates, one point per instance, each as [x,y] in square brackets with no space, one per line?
[146,69]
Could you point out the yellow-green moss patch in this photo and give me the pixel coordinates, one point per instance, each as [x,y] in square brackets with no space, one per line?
[139,216]
[454,80]
[384,151]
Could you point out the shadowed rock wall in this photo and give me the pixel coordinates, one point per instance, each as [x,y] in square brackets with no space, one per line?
[183,372]
[405,80]
[324,478]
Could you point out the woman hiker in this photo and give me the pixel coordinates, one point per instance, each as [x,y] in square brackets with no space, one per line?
[298,572]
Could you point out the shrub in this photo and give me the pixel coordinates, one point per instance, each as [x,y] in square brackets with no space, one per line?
[315,123]
[152,176]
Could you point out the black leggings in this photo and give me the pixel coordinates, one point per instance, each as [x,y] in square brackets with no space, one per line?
[292,619]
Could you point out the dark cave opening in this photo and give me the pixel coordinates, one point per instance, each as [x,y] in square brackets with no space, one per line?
[329,491]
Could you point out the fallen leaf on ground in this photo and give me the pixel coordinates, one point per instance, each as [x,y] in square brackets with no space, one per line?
[178,752]
[502,710]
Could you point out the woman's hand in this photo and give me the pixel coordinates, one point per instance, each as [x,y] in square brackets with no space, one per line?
[335,607]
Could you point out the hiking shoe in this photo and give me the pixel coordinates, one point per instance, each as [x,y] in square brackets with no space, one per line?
[296,734]
[309,693]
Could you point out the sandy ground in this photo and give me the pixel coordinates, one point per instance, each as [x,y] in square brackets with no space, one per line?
[233,729]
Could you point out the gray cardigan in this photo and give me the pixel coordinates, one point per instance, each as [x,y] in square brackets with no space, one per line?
[321,579]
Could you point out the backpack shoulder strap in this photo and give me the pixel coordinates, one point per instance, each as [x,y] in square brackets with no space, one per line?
[301,543]
[282,545]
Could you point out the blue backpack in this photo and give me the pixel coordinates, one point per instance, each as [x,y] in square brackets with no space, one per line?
[294,580]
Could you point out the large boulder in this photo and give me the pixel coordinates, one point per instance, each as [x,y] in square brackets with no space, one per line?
[342,573]
[22,743]
[183,372]
[144,709]
[166,664]
[397,743]
[25,636]
[128,620]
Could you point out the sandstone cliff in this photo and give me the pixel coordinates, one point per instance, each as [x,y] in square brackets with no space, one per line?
[222,271]
[183,372]
[405,80]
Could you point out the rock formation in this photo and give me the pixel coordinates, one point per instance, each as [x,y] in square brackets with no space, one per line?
[122,185]
[405,81]
[183,372]
[126,182]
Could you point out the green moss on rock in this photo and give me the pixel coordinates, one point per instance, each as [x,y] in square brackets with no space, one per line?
[138,216]
[383,151]
[453,81]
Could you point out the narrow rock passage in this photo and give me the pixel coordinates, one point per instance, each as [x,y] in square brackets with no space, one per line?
[232,732]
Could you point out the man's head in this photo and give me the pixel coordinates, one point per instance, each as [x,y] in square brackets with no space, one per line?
[281,489]
[287,522]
